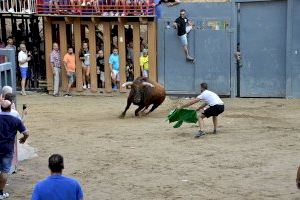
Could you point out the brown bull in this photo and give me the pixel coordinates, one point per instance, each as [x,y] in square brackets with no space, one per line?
[144,93]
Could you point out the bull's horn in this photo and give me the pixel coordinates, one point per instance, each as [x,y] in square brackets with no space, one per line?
[148,84]
[127,83]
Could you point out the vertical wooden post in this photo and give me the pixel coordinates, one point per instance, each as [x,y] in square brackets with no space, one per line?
[106,41]
[48,49]
[92,48]
[77,39]
[122,53]
[136,49]
[152,50]
[63,51]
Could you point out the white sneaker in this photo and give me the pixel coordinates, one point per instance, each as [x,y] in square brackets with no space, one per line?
[11,10]
[83,4]
[88,3]
[105,14]
[23,93]
[89,86]
[123,14]
[27,11]
[84,86]
[111,13]
[117,14]
[4,195]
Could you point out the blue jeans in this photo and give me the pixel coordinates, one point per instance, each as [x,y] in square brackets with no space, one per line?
[5,162]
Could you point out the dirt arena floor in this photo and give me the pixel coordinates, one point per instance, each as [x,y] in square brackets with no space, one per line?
[254,156]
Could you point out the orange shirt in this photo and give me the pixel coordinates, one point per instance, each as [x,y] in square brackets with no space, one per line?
[70,60]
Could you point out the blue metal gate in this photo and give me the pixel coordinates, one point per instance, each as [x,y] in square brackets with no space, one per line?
[213,55]
[210,43]
[263,28]
[211,48]
[8,69]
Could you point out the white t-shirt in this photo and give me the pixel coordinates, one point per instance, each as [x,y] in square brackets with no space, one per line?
[22,56]
[210,98]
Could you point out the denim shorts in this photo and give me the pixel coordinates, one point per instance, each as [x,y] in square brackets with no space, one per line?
[24,71]
[5,162]
[71,77]
[183,40]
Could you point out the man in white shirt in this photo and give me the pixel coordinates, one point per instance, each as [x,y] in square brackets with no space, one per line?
[215,107]
[23,58]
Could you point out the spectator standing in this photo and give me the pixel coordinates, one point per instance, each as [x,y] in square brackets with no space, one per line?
[56,68]
[23,58]
[10,43]
[144,63]
[130,54]
[84,56]
[114,65]
[69,63]
[100,69]
[57,186]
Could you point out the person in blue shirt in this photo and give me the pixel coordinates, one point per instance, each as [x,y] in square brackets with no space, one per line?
[114,65]
[9,125]
[56,186]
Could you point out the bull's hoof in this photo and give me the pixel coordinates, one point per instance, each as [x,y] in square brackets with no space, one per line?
[122,116]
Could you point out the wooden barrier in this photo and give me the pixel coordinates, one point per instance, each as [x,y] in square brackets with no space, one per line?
[77,39]
[107,50]
[48,49]
[63,50]
[136,49]
[92,48]
[122,54]
[107,41]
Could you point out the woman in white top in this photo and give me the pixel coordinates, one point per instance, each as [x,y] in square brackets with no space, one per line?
[215,107]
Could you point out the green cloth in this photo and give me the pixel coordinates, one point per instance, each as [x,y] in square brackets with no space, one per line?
[182,115]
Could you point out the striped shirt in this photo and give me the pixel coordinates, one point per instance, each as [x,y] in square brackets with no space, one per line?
[55,58]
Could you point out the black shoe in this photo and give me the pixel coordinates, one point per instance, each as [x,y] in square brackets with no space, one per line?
[190,59]
[67,95]
[215,132]
[55,95]
[199,134]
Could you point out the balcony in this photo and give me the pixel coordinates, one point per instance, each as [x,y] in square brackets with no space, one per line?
[101,8]
[17,7]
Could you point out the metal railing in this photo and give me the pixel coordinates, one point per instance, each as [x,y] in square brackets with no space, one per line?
[17,6]
[104,8]
[96,7]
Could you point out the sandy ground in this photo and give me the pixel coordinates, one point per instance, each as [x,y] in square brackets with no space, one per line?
[254,156]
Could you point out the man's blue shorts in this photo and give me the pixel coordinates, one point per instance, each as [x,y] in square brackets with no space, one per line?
[24,71]
[5,162]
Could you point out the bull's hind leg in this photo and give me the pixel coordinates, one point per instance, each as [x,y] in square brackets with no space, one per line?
[136,112]
[127,107]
